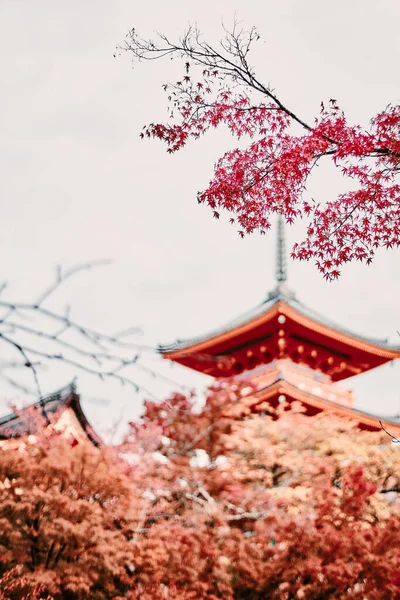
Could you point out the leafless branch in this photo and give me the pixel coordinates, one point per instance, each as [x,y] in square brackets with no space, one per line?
[50,336]
[230,60]
[395,440]
[250,516]
[208,503]
[61,277]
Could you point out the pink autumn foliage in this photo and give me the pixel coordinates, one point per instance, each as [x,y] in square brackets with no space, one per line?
[211,502]
[269,173]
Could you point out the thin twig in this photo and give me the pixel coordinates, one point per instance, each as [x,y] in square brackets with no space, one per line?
[395,440]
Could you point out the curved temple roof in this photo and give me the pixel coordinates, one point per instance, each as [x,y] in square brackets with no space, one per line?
[281,327]
[261,309]
[17,425]
[314,404]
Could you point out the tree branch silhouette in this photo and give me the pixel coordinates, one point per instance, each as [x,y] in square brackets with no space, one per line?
[38,336]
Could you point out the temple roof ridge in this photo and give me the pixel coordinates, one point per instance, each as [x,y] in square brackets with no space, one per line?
[366,417]
[281,292]
[275,297]
[14,425]
[315,315]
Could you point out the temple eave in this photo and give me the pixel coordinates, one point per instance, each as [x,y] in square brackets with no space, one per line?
[281,332]
[64,405]
[314,405]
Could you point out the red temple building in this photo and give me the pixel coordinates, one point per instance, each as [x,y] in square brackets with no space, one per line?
[290,353]
[287,351]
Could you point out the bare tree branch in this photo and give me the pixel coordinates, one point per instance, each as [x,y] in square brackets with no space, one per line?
[43,340]
[63,276]
[395,440]
[230,61]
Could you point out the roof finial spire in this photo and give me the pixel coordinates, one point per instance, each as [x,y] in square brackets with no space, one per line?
[280,272]
[281,291]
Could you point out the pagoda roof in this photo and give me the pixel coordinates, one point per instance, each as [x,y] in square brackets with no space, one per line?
[282,390]
[281,327]
[17,425]
[273,299]
[305,379]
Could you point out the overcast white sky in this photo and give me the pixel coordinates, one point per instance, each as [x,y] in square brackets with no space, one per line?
[78,184]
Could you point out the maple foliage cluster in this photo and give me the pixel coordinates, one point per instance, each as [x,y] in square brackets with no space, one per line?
[269,173]
[228,500]
[59,531]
